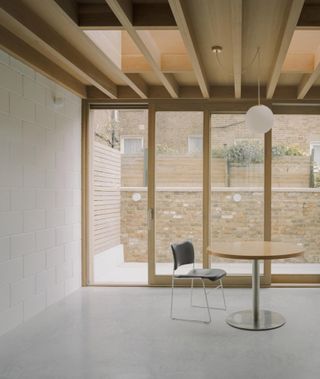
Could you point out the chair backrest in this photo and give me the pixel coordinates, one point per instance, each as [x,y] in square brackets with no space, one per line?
[183,253]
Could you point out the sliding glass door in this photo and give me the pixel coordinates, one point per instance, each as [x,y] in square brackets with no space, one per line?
[170,174]
[118,196]
[296,194]
[178,185]
[237,187]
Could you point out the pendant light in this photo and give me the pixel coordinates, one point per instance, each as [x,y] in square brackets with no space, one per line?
[259,118]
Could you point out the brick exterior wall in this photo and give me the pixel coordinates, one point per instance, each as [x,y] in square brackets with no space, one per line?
[295,218]
[287,130]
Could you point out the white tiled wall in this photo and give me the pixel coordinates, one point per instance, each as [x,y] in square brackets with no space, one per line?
[40,191]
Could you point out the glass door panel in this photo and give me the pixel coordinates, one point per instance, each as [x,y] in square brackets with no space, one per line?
[296,190]
[237,180]
[178,185]
[119,193]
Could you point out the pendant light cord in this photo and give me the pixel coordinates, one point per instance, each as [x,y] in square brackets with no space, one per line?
[230,73]
[258,52]
[257,55]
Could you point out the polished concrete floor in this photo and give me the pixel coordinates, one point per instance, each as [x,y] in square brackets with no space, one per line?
[125,333]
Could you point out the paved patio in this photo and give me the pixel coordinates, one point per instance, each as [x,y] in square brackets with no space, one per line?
[137,273]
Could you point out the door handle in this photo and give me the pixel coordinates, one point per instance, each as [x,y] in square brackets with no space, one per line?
[150,217]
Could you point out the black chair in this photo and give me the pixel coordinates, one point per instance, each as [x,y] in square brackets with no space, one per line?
[183,254]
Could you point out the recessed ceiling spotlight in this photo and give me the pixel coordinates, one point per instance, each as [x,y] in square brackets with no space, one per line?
[216,49]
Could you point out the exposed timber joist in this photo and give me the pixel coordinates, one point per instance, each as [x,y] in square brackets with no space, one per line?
[65,51]
[187,35]
[290,25]
[236,21]
[124,12]
[138,85]
[286,94]
[57,44]
[308,80]
[21,50]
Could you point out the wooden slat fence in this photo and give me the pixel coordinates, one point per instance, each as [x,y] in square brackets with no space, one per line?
[106,197]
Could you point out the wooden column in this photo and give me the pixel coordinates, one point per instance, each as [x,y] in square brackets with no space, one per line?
[267,199]
[206,185]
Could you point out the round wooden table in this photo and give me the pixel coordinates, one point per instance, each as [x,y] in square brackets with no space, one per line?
[255,319]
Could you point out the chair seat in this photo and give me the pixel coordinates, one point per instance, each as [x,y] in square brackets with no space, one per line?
[203,273]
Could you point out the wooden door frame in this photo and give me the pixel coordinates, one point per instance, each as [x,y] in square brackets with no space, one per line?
[208,107]
[165,280]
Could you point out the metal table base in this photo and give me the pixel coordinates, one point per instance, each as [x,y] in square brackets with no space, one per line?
[267,320]
[256,319]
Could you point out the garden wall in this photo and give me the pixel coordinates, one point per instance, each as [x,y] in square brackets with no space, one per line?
[295,215]
[105,198]
[186,170]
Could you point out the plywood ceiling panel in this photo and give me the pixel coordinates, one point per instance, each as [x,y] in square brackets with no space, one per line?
[150,78]
[263,22]
[109,42]
[211,23]
[168,41]
[304,41]
[169,46]
[186,78]
[290,79]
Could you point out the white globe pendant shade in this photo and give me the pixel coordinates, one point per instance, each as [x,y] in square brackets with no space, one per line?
[259,119]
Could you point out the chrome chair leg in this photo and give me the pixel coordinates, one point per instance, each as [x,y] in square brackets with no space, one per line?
[191,302]
[189,319]
[172,286]
[206,297]
[224,299]
[224,308]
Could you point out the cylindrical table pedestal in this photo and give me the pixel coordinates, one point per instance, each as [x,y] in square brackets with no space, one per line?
[256,319]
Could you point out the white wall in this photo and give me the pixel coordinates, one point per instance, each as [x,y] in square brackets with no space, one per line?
[40,193]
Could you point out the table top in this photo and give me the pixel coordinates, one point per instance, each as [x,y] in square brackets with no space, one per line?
[255,250]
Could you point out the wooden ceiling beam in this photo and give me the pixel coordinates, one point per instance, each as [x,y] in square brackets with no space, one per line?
[22,51]
[137,84]
[43,32]
[283,94]
[292,17]
[124,12]
[175,63]
[309,80]
[185,28]
[236,22]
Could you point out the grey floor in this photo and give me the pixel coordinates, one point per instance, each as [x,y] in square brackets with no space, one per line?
[125,333]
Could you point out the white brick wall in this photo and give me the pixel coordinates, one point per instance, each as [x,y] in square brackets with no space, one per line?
[40,192]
